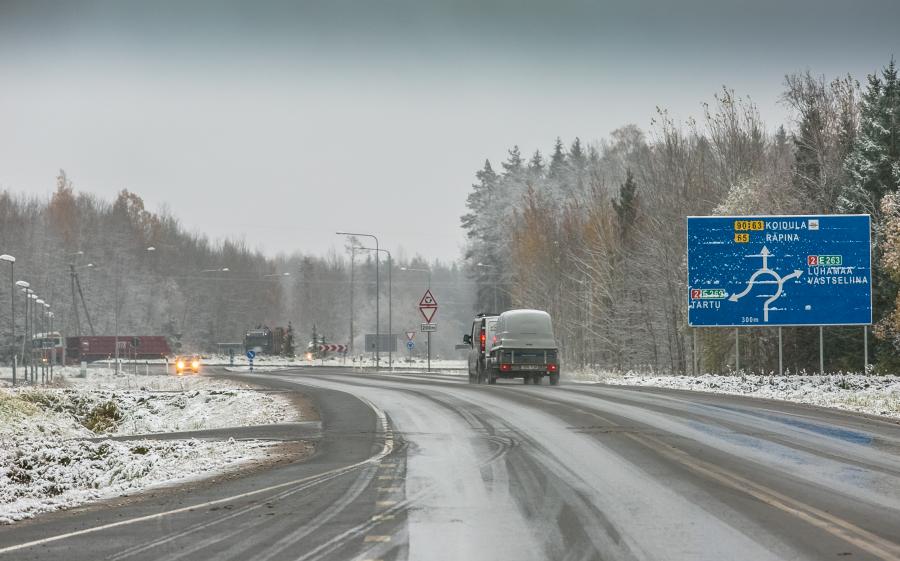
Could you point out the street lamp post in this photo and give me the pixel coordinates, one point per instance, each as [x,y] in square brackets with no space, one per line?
[390,305]
[53,351]
[46,361]
[352,259]
[427,334]
[12,303]
[377,294]
[34,328]
[32,296]
[39,312]
[23,285]
[25,355]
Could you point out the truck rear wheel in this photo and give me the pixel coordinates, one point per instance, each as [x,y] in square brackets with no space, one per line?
[554,379]
[526,379]
[537,379]
[492,380]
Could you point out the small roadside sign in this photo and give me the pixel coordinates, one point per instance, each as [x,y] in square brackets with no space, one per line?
[410,345]
[428,306]
[251,354]
[410,335]
[428,327]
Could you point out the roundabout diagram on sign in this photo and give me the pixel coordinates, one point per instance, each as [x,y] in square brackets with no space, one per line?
[776,279]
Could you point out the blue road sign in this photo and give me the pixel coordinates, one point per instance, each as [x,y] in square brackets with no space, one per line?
[779,270]
[410,345]
[251,354]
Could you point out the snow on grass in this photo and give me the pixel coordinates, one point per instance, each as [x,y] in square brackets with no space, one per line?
[874,395]
[80,410]
[46,461]
[401,360]
[42,475]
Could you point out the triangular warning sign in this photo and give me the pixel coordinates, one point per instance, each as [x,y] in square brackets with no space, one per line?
[428,300]
[428,313]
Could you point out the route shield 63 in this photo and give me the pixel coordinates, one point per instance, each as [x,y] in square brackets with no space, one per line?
[779,270]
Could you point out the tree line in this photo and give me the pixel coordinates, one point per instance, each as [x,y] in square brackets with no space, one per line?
[595,234]
[143,273]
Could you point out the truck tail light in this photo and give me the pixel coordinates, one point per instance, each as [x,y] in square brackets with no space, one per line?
[505,367]
[551,368]
[483,339]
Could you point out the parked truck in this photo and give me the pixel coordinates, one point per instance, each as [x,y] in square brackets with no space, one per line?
[140,347]
[522,345]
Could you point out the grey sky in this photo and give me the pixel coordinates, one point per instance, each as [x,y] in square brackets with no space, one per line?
[282,122]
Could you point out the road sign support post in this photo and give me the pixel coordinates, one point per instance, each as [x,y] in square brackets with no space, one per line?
[865,349]
[428,343]
[737,350]
[694,354]
[821,351]
[780,363]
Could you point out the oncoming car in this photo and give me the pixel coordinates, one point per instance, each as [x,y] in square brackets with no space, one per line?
[185,364]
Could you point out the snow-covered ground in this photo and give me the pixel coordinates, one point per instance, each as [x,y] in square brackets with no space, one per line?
[401,361]
[45,474]
[875,395]
[47,461]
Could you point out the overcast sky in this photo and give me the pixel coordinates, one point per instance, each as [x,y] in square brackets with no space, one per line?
[282,122]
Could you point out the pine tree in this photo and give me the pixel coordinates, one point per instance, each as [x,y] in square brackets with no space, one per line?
[288,346]
[626,205]
[536,164]
[873,168]
[514,165]
[481,196]
[873,165]
[557,161]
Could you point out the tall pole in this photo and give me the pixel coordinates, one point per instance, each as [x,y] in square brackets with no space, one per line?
[865,350]
[821,352]
[694,351]
[25,336]
[377,309]
[352,256]
[780,363]
[116,304]
[737,350]
[428,333]
[12,314]
[31,358]
[390,313]
[377,295]
[53,351]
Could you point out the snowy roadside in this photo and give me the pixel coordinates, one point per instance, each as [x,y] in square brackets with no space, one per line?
[873,395]
[401,362]
[52,458]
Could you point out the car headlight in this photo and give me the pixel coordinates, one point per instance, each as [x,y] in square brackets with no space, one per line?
[195,364]
[179,364]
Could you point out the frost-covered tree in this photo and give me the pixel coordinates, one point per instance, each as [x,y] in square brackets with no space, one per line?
[873,165]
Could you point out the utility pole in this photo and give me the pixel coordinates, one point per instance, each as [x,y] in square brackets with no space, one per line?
[377,295]
[352,259]
[12,302]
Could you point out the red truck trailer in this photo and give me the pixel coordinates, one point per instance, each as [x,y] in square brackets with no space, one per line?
[102,347]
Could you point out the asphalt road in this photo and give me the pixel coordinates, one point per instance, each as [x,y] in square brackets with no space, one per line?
[429,467]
